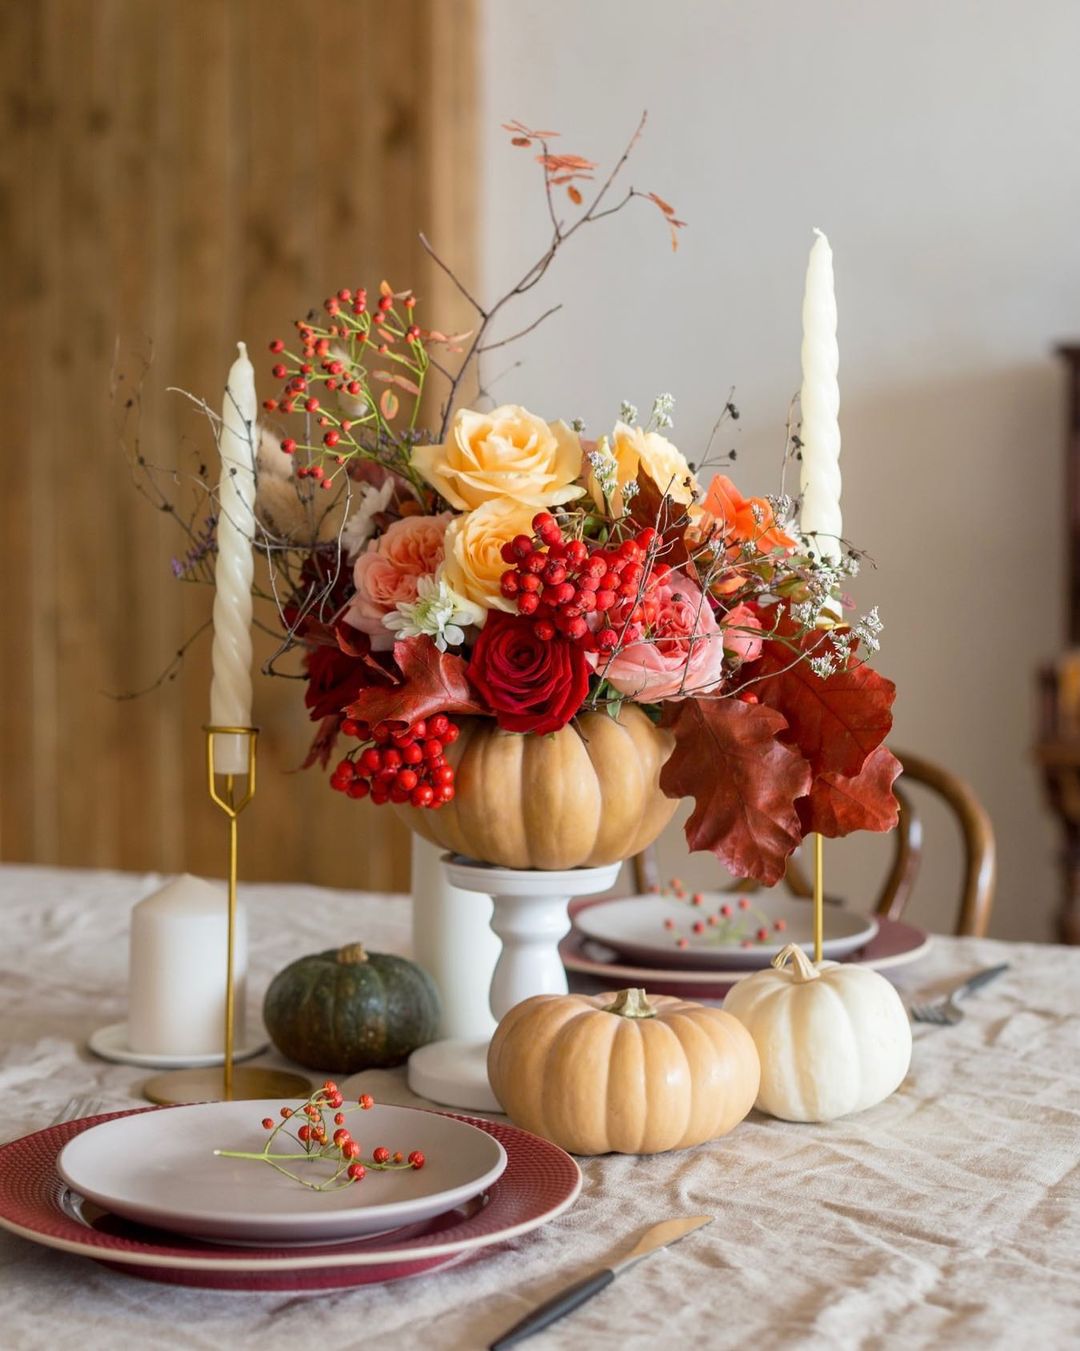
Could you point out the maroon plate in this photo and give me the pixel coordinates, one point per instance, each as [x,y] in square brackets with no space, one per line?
[592,967]
[540,1182]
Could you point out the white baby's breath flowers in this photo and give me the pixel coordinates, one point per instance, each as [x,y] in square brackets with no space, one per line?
[360,525]
[604,467]
[438,611]
[663,407]
[627,413]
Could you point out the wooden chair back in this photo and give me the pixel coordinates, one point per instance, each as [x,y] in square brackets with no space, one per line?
[977,838]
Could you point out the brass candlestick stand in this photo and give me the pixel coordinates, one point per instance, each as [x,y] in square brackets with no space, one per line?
[819,895]
[228,1083]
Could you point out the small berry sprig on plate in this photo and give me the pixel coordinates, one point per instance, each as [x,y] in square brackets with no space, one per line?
[320,1141]
[727,924]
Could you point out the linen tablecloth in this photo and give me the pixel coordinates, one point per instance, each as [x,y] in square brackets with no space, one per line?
[948,1216]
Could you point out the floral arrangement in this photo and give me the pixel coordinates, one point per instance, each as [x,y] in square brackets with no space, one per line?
[495,563]
[731,922]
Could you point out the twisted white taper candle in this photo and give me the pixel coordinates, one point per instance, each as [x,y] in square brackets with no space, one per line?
[230,689]
[820,403]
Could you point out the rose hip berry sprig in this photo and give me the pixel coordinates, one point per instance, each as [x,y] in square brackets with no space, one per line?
[322,1141]
[560,583]
[399,764]
[340,358]
[728,924]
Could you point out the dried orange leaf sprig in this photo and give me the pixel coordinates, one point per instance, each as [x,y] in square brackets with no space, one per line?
[323,1141]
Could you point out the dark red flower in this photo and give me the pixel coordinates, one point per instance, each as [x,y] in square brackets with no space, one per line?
[531,685]
[334,680]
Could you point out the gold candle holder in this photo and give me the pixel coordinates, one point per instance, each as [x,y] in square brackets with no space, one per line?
[232,793]
[819,895]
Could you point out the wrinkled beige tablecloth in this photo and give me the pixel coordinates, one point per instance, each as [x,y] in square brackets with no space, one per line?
[948,1216]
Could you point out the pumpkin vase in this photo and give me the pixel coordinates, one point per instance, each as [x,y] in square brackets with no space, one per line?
[584,796]
[623,1073]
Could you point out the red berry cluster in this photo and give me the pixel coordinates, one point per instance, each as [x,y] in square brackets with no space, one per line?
[399,764]
[559,583]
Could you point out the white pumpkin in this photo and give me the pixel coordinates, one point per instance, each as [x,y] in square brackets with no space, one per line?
[832,1039]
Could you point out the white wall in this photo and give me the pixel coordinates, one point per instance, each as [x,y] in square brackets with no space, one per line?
[936,144]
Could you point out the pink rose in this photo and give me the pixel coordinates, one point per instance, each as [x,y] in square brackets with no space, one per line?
[683,653]
[387,573]
[741,634]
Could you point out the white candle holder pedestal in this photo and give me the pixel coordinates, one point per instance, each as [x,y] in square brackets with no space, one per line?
[530,915]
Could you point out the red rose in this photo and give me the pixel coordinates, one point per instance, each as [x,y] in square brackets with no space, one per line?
[529,684]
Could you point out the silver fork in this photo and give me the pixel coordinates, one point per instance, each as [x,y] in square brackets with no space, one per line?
[80,1106]
[946,1011]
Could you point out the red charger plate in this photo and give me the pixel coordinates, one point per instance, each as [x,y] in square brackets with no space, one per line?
[540,1182]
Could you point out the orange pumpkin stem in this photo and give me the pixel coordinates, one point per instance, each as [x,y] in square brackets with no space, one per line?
[631,1004]
[803,969]
[351,955]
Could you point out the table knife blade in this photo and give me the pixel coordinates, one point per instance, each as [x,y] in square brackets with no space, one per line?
[660,1235]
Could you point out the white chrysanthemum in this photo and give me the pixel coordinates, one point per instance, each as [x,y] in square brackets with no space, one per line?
[438,611]
[360,525]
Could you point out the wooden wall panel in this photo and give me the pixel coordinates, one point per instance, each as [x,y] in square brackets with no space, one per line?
[174,177]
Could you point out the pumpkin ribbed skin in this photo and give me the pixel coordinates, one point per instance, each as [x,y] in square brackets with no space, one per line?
[347,1010]
[596,1082]
[584,796]
[832,1039]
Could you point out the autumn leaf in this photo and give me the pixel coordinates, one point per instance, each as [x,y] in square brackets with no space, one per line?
[574,195]
[431,682]
[835,722]
[743,780]
[838,805]
[651,506]
[389,404]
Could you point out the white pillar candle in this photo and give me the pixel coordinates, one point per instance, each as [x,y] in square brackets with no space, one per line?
[230,689]
[820,403]
[453,942]
[176,989]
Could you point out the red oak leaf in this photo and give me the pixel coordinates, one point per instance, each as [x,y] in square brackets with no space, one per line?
[835,722]
[431,682]
[838,805]
[744,782]
[651,505]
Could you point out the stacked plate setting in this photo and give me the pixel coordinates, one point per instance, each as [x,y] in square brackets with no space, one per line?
[144,1192]
[651,940]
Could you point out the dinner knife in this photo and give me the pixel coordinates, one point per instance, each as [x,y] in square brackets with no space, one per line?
[658,1236]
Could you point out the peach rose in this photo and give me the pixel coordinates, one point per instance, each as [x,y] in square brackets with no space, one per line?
[632,449]
[742,634]
[386,574]
[505,453]
[683,654]
[474,564]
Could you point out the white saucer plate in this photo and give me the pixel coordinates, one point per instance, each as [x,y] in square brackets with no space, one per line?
[110,1043]
[634,927]
[159,1168]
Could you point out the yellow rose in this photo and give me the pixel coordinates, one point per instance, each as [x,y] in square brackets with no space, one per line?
[632,449]
[505,453]
[472,560]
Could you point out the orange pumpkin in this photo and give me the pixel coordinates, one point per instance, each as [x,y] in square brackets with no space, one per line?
[625,1074]
[584,796]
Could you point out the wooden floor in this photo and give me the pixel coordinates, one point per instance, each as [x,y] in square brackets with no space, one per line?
[173,177]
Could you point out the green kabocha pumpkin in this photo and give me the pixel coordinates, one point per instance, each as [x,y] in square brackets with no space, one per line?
[348,1010]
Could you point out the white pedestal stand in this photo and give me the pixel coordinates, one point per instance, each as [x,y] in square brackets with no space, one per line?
[530,916]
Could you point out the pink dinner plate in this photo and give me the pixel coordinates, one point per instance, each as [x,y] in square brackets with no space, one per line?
[592,965]
[540,1182]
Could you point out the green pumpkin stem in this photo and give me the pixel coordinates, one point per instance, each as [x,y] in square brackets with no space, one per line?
[352,954]
[631,1004]
[803,969]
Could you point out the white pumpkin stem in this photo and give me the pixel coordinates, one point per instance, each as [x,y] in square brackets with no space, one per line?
[803,969]
[351,955]
[631,1004]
